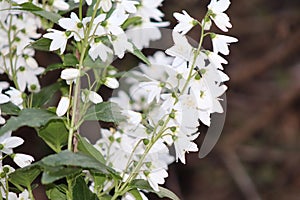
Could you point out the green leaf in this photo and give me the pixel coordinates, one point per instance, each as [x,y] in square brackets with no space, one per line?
[136,194]
[67,158]
[54,17]
[55,173]
[32,117]
[9,109]
[70,60]
[55,134]
[131,21]
[41,44]
[140,55]
[105,111]
[25,176]
[45,95]
[56,192]
[54,67]
[163,192]
[81,190]
[87,148]
[98,63]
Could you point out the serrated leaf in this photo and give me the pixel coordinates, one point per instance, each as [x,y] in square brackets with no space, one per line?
[70,60]
[41,44]
[131,21]
[68,158]
[55,134]
[87,148]
[25,176]
[140,55]
[54,17]
[57,173]
[45,95]
[106,112]
[81,190]
[32,117]
[9,109]
[163,192]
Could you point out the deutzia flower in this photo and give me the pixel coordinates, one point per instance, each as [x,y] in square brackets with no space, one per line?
[63,106]
[15,97]
[185,22]
[98,49]
[120,44]
[181,48]
[74,25]
[91,96]
[59,39]
[149,9]
[22,196]
[105,5]
[127,5]
[61,5]
[88,2]
[8,142]
[112,83]
[70,75]
[221,42]
[22,160]
[217,7]
[153,88]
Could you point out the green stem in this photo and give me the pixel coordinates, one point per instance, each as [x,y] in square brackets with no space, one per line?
[30,192]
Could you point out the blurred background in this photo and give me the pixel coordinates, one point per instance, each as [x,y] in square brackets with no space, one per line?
[258,153]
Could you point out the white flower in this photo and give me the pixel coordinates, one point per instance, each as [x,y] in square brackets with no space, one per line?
[88,2]
[105,5]
[70,75]
[217,7]
[114,22]
[15,97]
[22,160]
[8,142]
[98,49]
[145,32]
[74,25]
[59,39]
[148,9]
[3,97]
[185,22]
[221,42]
[120,44]
[184,144]
[112,83]
[60,5]
[215,59]
[127,5]
[92,96]
[27,76]
[153,88]
[181,48]
[63,106]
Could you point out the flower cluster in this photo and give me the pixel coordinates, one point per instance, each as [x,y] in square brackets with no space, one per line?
[165,99]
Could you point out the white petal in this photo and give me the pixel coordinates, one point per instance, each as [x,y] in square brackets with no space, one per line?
[111,83]
[63,106]
[95,97]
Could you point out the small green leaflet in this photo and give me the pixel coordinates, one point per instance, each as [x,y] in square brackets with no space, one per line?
[25,176]
[45,95]
[140,55]
[41,44]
